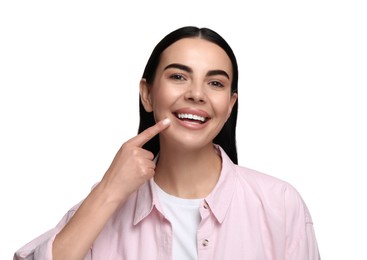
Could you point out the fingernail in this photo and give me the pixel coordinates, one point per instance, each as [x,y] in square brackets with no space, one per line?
[166,121]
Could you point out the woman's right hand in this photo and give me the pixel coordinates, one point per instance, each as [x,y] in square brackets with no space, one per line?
[132,165]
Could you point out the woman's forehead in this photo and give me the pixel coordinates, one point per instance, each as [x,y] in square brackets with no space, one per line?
[196,52]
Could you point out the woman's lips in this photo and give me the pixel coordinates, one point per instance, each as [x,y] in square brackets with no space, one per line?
[192,118]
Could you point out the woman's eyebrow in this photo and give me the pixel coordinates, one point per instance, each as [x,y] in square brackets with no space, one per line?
[179,66]
[217,72]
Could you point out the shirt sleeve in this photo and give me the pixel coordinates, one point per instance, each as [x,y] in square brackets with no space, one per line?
[41,247]
[301,241]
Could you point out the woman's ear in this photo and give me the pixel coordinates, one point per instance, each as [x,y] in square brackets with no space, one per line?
[232,102]
[145,95]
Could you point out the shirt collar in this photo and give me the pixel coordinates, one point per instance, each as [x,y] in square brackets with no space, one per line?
[218,200]
[146,200]
[221,196]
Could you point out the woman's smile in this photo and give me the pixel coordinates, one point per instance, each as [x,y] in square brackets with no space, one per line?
[192,118]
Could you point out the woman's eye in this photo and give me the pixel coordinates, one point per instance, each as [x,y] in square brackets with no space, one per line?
[216,84]
[177,77]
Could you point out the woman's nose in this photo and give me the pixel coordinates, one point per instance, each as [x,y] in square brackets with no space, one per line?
[195,93]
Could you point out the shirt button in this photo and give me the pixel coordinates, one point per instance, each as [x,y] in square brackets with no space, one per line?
[205,206]
[205,242]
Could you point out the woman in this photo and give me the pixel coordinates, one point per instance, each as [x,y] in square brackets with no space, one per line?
[175,190]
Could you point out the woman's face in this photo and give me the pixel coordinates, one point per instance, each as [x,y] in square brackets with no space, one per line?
[192,87]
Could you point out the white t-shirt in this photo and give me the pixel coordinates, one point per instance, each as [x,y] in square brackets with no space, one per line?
[185,218]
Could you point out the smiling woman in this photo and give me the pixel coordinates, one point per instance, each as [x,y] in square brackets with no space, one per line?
[175,188]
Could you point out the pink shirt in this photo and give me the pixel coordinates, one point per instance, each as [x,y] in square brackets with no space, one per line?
[248,215]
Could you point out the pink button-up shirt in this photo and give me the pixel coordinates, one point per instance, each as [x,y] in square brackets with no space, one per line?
[248,215]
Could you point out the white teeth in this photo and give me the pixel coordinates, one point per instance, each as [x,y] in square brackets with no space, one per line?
[191,116]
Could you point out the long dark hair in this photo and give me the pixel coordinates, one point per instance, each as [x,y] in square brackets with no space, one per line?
[227,136]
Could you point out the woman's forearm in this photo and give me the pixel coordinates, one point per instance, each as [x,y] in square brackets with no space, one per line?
[77,237]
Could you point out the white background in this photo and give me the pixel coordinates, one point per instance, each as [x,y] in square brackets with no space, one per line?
[69,74]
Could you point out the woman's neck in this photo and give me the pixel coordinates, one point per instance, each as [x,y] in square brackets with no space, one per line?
[188,173]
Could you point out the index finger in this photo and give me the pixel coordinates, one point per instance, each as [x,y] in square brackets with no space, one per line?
[149,133]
